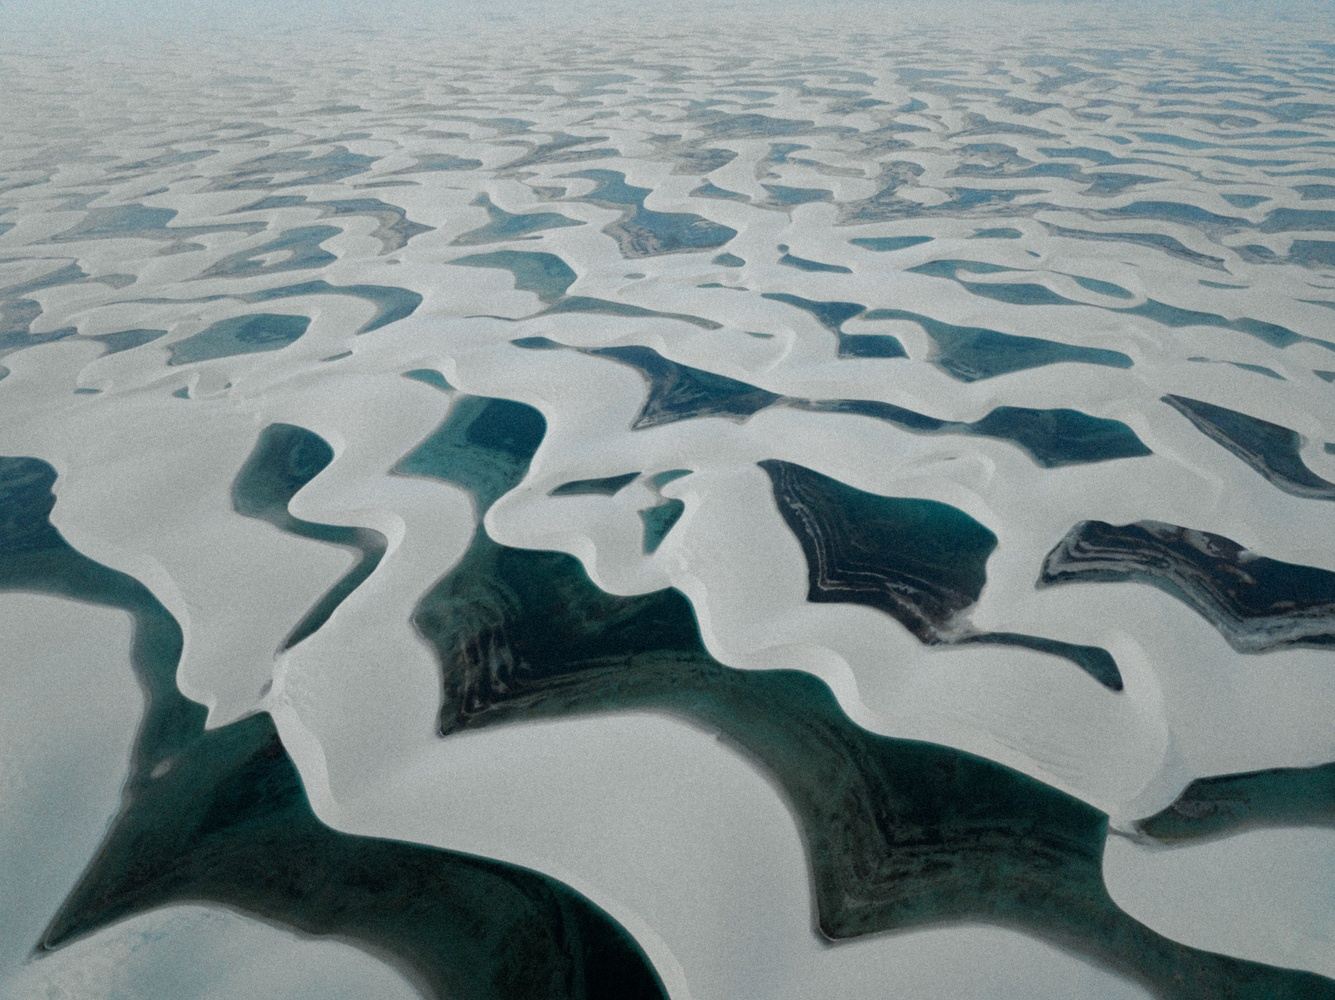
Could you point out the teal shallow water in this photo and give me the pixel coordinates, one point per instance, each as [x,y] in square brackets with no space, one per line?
[935,221]
[644,232]
[1268,448]
[1051,438]
[920,561]
[898,833]
[1228,804]
[1257,603]
[239,335]
[658,521]
[604,486]
[505,225]
[285,459]
[220,816]
[972,353]
[545,274]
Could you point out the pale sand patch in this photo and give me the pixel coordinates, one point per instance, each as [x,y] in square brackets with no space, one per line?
[1265,894]
[69,709]
[194,952]
[683,843]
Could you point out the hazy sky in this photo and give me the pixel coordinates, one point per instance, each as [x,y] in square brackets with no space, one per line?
[147,13]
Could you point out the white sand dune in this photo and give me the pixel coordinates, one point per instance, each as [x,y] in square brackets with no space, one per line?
[1272,905]
[70,707]
[286,165]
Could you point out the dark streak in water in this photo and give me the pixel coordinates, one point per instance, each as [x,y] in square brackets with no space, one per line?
[1256,603]
[606,486]
[887,244]
[679,392]
[285,459]
[644,232]
[238,335]
[833,316]
[804,264]
[971,353]
[1270,449]
[509,226]
[391,302]
[300,247]
[262,172]
[125,340]
[608,307]
[1232,803]
[544,274]
[393,227]
[920,561]
[1052,438]
[658,521]
[429,376]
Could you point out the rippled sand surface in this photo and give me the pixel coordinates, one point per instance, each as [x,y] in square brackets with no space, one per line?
[621,503]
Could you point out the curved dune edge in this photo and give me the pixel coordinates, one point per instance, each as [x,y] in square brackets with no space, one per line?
[64,770]
[222,815]
[333,637]
[1271,908]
